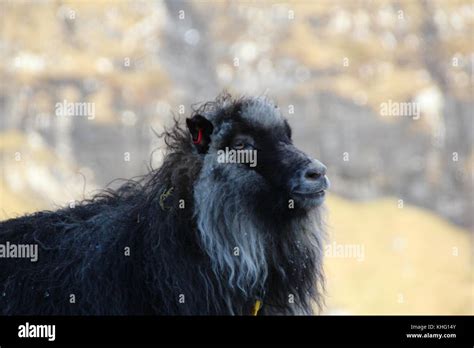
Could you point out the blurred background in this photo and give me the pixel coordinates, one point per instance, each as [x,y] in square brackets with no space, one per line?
[400,212]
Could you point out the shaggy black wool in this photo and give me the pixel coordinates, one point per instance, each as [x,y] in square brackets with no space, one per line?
[146,248]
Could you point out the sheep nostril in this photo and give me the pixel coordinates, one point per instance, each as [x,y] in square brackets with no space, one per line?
[312,174]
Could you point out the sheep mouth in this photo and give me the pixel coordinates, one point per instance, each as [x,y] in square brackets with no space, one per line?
[310,195]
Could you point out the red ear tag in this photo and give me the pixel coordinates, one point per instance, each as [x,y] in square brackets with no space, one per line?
[199,138]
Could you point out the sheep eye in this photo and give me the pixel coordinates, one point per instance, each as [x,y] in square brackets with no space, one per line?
[242,142]
[240,146]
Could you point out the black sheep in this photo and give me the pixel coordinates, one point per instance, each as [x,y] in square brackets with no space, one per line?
[211,232]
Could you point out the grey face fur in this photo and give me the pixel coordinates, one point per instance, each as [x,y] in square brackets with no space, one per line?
[229,233]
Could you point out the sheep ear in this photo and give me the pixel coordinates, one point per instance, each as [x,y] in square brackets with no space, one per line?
[201,129]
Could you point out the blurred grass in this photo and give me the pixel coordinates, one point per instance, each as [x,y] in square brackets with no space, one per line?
[34,177]
[410,264]
[13,204]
